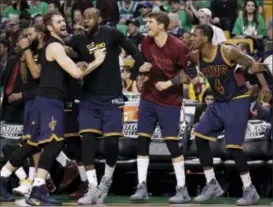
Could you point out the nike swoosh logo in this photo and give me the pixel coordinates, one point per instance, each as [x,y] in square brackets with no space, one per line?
[36,202]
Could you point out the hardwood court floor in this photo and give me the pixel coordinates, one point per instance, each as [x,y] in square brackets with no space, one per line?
[154,201]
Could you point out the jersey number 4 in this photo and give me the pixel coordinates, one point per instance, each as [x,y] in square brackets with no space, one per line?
[219,87]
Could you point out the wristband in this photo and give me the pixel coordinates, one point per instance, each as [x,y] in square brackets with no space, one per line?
[175,81]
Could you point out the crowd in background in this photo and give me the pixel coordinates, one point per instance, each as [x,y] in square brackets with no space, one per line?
[236,20]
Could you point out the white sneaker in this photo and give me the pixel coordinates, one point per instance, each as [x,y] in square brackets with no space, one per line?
[89,197]
[23,188]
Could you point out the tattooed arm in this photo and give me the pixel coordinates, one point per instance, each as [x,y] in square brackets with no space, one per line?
[235,56]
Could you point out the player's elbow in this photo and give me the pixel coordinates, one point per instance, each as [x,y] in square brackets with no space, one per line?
[77,75]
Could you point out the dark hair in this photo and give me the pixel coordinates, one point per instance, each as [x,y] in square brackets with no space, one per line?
[56,4]
[245,46]
[23,5]
[48,19]
[206,30]
[208,92]
[161,18]
[255,16]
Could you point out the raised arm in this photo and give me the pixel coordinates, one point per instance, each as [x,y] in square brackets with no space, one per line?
[55,51]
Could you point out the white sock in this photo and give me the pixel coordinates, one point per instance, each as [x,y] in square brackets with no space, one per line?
[62,159]
[209,174]
[82,173]
[39,182]
[142,168]
[179,170]
[108,171]
[246,179]
[21,174]
[92,177]
[5,172]
[31,173]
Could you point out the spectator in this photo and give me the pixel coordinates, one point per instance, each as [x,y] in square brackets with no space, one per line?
[3,55]
[185,15]
[269,49]
[77,17]
[186,38]
[15,10]
[145,8]
[109,12]
[39,21]
[197,88]
[133,32]
[128,84]
[174,25]
[222,14]
[258,110]
[207,99]
[53,5]
[205,17]
[37,7]
[11,33]
[251,23]
[127,8]
[260,4]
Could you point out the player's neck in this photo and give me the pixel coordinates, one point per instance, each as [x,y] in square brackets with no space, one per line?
[161,38]
[207,50]
[57,37]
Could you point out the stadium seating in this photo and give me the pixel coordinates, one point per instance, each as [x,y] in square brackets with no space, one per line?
[227,34]
[267,13]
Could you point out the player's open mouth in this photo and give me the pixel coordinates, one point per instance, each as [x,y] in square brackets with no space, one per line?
[63,29]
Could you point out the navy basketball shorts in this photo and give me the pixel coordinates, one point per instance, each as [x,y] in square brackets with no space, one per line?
[71,124]
[48,121]
[29,115]
[151,114]
[102,115]
[232,117]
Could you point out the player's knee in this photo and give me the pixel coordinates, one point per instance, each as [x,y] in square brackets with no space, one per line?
[111,150]
[20,154]
[201,143]
[89,148]
[239,158]
[89,140]
[174,148]
[143,146]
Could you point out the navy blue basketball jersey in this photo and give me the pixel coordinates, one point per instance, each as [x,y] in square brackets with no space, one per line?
[221,76]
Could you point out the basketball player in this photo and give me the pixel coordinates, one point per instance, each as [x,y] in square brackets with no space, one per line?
[166,56]
[49,107]
[100,112]
[229,111]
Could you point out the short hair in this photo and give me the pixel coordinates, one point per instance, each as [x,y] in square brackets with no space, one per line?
[56,4]
[245,46]
[48,17]
[161,18]
[206,30]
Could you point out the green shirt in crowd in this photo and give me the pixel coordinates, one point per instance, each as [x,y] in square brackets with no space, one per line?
[41,9]
[185,21]
[251,29]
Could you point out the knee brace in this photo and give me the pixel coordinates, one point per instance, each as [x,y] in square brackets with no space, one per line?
[111,149]
[174,148]
[89,141]
[51,151]
[20,154]
[240,159]
[204,152]
[143,144]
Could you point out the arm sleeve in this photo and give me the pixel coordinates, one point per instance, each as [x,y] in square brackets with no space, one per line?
[131,49]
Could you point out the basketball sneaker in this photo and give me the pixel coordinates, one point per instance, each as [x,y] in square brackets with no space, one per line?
[89,197]
[250,196]
[181,196]
[5,196]
[23,188]
[210,191]
[141,194]
[103,189]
